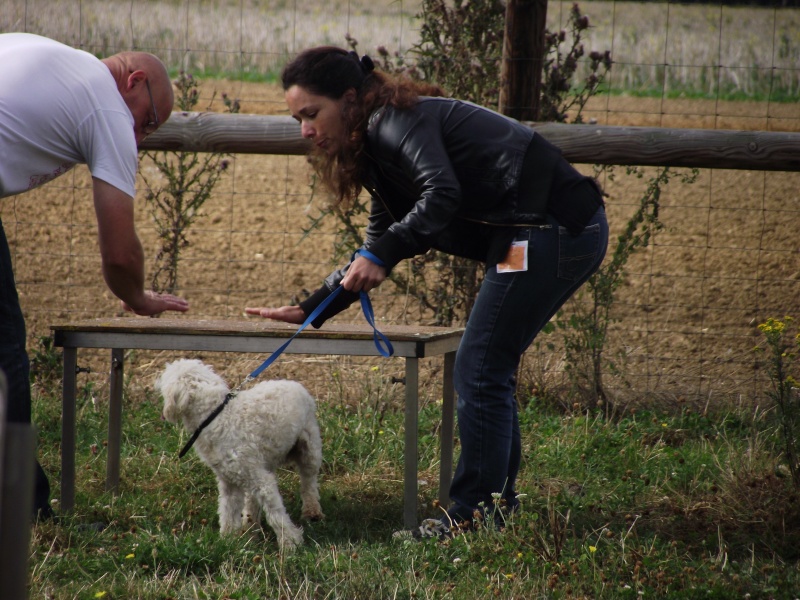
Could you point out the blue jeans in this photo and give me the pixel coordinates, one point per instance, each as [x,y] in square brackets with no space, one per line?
[15,364]
[13,357]
[511,309]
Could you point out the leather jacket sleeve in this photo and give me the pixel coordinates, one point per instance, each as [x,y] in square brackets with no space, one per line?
[339,304]
[408,153]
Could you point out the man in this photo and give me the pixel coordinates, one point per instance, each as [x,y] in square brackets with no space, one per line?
[59,107]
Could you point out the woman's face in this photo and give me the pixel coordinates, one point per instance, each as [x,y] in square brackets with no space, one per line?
[321,118]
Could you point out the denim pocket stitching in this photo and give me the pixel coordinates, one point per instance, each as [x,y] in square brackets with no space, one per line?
[569,267]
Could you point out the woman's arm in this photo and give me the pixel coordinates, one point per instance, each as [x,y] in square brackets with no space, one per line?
[412,164]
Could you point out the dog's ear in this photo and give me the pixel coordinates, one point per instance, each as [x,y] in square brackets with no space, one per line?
[174,395]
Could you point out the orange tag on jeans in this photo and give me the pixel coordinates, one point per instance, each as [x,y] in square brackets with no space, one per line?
[516,258]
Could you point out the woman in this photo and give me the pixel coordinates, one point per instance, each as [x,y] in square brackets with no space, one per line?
[450,175]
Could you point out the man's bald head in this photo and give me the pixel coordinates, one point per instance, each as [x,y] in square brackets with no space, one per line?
[138,75]
[156,74]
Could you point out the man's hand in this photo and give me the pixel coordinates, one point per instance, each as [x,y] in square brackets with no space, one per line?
[157,303]
[287,314]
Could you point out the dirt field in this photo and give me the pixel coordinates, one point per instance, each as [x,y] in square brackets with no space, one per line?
[686,316]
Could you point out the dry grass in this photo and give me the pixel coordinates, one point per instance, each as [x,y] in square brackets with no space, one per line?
[657,46]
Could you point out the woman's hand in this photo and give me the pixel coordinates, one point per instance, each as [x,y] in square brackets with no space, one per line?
[287,314]
[363,275]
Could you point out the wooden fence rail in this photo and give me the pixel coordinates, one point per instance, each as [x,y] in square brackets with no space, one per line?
[588,144]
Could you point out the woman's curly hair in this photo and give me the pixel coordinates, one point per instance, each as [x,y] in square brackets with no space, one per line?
[331,71]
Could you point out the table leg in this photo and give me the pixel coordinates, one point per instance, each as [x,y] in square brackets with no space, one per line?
[448,430]
[68,429]
[411,439]
[114,420]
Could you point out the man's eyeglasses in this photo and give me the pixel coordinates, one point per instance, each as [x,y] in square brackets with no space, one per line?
[151,126]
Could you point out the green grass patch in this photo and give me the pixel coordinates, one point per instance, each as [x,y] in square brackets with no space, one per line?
[247,75]
[777,96]
[655,505]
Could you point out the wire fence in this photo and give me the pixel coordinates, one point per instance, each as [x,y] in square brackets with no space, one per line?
[684,321]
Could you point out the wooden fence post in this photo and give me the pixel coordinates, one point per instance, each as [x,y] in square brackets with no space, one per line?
[523,58]
[18,444]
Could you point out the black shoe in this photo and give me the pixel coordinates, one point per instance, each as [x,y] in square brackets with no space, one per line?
[44,513]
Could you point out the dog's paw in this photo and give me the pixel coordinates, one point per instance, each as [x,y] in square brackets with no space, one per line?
[289,540]
[313,514]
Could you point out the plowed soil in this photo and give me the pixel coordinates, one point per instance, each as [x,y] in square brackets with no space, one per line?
[684,320]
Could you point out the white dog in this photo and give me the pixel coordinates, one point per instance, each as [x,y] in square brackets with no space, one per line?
[258,430]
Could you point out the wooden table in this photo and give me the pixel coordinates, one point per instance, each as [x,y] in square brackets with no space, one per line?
[262,337]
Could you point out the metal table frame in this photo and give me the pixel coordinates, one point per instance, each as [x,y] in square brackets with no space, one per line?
[263,337]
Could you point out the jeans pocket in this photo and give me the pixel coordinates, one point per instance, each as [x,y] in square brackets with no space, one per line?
[577,255]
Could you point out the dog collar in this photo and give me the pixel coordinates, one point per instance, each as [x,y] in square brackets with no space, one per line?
[206,423]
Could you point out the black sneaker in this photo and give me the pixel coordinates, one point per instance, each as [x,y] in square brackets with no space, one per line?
[44,513]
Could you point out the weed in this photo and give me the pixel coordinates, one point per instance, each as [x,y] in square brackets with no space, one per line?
[780,353]
[585,329]
[190,180]
[47,363]
[562,91]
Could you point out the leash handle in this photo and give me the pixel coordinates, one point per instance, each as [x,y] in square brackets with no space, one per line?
[369,256]
[382,343]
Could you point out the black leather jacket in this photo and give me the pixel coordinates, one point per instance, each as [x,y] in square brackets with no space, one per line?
[449,175]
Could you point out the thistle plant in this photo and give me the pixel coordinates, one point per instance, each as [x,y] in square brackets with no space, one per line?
[461,48]
[562,90]
[190,178]
[585,329]
[780,353]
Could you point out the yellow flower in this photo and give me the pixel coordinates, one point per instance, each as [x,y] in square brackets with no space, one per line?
[100,594]
[774,325]
[592,549]
[129,556]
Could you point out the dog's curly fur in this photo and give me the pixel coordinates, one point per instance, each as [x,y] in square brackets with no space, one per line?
[259,430]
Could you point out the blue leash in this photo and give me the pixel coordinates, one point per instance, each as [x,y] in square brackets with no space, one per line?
[382,343]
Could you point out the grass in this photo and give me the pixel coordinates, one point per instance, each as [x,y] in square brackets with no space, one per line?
[650,505]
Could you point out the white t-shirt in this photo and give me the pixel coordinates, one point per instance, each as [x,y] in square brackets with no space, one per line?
[58,107]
